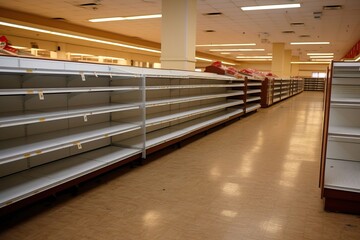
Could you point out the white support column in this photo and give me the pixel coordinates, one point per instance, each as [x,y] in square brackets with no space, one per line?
[178,34]
[278,57]
[287,64]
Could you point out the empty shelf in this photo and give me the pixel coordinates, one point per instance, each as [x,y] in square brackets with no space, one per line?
[176,115]
[348,132]
[15,149]
[194,86]
[254,84]
[345,100]
[25,184]
[253,91]
[37,91]
[252,107]
[169,133]
[251,99]
[342,175]
[19,119]
[161,102]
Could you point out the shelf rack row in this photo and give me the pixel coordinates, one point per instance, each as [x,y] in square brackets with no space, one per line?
[276,90]
[314,84]
[64,122]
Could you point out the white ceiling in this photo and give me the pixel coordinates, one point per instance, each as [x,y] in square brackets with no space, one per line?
[340,27]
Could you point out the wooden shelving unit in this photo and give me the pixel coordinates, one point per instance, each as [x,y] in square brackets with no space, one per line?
[64,122]
[314,84]
[340,168]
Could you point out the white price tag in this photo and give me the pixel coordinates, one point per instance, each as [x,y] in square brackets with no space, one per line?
[79,146]
[83,76]
[85,118]
[41,95]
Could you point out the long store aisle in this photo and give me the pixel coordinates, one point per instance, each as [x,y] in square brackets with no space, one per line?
[254,179]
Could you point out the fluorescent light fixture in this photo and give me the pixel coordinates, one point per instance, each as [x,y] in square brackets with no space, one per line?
[125,18]
[309,62]
[203,59]
[226,45]
[18,47]
[321,59]
[254,59]
[78,37]
[309,43]
[225,53]
[228,63]
[269,7]
[258,57]
[320,54]
[237,50]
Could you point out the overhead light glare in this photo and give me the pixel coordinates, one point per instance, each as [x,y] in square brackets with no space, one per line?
[253,60]
[78,37]
[321,60]
[125,18]
[320,54]
[228,63]
[225,53]
[270,7]
[310,62]
[309,43]
[329,56]
[226,45]
[237,50]
[264,57]
[203,59]
[357,59]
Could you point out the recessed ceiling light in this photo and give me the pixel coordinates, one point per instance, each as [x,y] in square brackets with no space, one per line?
[237,50]
[125,18]
[319,54]
[226,45]
[268,7]
[308,43]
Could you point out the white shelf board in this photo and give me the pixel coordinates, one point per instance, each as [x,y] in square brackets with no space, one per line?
[252,107]
[165,117]
[169,133]
[12,150]
[277,88]
[251,99]
[350,100]
[343,149]
[342,175]
[54,114]
[344,131]
[253,84]
[46,66]
[21,185]
[253,91]
[276,99]
[194,86]
[36,91]
[162,102]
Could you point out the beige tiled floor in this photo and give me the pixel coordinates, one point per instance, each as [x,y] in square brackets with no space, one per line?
[254,179]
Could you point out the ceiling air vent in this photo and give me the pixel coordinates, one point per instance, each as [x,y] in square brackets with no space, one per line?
[288,32]
[297,24]
[213,14]
[209,31]
[304,36]
[59,19]
[332,7]
[94,5]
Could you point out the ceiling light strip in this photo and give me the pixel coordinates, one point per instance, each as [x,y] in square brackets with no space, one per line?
[310,63]
[237,50]
[77,37]
[320,54]
[271,7]
[309,43]
[226,45]
[262,57]
[125,18]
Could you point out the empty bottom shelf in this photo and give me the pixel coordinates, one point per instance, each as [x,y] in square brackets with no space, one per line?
[35,180]
[252,107]
[342,175]
[169,133]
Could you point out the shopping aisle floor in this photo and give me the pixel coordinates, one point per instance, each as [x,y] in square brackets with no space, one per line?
[254,179]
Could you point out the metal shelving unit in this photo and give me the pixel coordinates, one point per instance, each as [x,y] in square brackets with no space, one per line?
[340,171]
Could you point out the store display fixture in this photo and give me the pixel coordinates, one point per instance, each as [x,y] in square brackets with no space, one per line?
[314,84]
[276,89]
[64,122]
[340,163]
